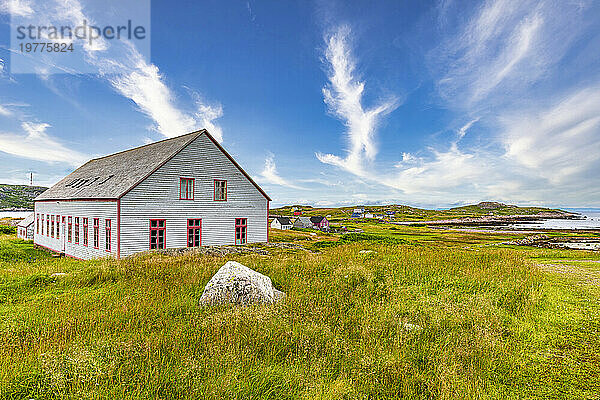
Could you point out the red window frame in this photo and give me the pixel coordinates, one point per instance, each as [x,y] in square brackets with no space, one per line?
[108,235]
[37,224]
[85,232]
[193,225]
[58,227]
[215,189]
[48,225]
[52,226]
[157,228]
[242,224]
[76,230]
[69,229]
[189,193]
[96,233]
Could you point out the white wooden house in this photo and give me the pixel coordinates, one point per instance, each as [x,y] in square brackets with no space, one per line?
[181,192]
[25,228]
[283,223]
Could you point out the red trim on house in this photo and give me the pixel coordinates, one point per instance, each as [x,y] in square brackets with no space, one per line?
[208,135]
[78,199]
[157,228]
[76,230]
[198,227]
[160,165]
[118,228]
[69,229]
[96,229]
[187,195]
[215,189]
[108,233]
[86,231]
[268,221]
[243,224]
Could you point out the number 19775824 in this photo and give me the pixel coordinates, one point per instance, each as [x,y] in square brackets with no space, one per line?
[40,47]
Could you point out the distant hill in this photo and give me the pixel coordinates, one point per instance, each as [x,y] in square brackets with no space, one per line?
[19,196]
[407,213]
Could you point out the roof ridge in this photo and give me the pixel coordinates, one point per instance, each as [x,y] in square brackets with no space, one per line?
[198,132]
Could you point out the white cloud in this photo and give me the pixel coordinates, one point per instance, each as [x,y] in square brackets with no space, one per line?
[142,83]
[343,96]
[463,130]
[126,70]
[5,111]
[270,175]
[207,114]
[557,142]
[21,8]
[503,49]
[36,144]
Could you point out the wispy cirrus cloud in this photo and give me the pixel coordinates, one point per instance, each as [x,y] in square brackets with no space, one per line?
[133,77]
[538,134]
[503,47]
[16,7]
[35,144]
[5,111]
[344,96]
[269,174]
[559,142]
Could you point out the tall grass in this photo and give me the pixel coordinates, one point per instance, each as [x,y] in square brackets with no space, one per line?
[401,322]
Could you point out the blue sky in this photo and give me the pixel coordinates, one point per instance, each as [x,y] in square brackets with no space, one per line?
[333,103]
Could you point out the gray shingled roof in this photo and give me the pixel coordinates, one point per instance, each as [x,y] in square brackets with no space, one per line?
[284,220]
[27,221]
[111,176]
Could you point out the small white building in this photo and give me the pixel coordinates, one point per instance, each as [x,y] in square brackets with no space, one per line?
[185,191]
[283,223]
[25,228]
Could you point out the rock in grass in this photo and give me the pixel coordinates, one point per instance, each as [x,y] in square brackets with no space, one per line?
[235,283]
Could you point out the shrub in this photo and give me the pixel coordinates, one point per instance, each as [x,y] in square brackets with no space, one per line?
[8,230]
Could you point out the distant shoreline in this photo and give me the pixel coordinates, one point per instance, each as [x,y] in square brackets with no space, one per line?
[496,220]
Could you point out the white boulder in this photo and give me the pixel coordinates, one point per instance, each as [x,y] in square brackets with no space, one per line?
[235,283]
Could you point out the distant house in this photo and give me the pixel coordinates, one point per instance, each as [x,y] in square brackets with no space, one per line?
[186,191]
[368,215]
[25,228]
[358,211]
[356,215]
[320,223]
[303,222]
[283,223]
[312,223]
[296,213]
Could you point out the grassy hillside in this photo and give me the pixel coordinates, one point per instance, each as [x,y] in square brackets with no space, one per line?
[407,213]
[19,196]
[444,318]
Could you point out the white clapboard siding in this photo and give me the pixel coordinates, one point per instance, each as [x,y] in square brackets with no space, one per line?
[157,197]
[82,209]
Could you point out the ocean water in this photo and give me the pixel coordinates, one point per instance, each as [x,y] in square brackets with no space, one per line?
[14,214]
[591,221]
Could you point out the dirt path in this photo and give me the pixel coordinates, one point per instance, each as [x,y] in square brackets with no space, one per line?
[585,276]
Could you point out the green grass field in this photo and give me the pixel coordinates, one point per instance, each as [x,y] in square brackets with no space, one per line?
[438,315]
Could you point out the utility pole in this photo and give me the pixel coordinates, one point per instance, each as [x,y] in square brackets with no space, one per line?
[31,179]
